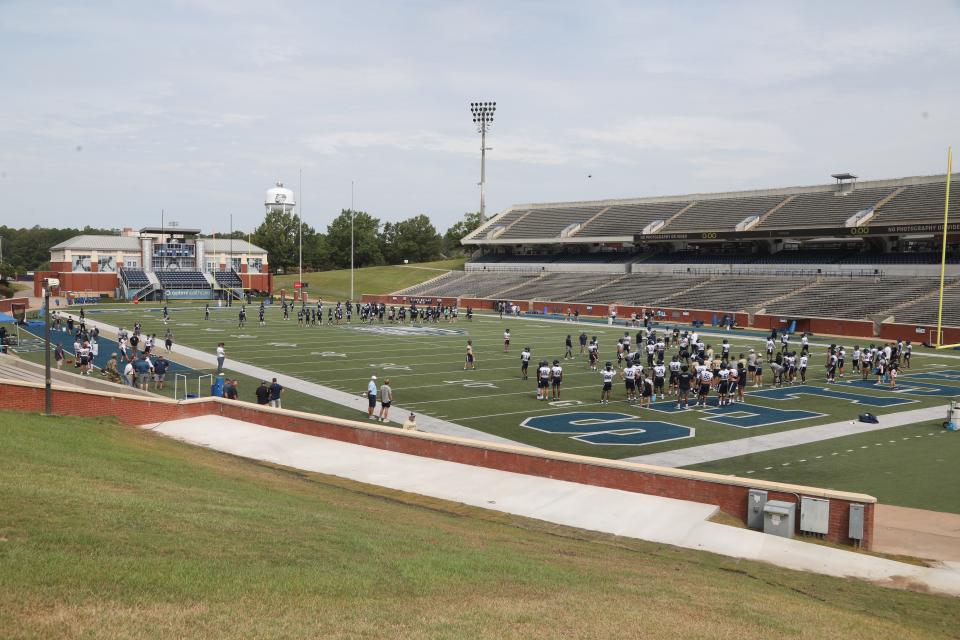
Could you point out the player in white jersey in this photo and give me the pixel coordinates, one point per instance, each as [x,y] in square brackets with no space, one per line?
[629,375]
[705,378]
[506,340]
[723,386]
[524,362]
[802,367]
[607,374]
[841,359]
[659,372]
[543,380]
[556,378]
[855,358]
[674,373]
[769,349]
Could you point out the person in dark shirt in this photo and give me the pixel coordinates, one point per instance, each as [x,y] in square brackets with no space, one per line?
[275,391]
[263,393]
[683,386]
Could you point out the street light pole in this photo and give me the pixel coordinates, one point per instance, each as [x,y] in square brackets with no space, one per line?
[351,241]
[47,390]
[299,214]
[483,119]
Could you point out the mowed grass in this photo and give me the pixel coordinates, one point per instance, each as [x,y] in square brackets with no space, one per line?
[427,376]
[335,285]
[113,532]
[912,466]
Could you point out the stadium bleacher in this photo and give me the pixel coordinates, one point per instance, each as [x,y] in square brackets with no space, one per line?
[549,222]
[628,219]
[825,208]
[722,213]
[917,202]
[228,279]
[135,278]
[182,279]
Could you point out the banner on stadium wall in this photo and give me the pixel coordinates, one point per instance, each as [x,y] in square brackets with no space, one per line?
[188,294]
[865,230]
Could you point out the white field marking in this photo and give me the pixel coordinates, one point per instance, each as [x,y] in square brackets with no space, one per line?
[767,468]
[749,471]
[560,409]
[835,453]
[497,395]
[818,457]
[801,460]
[785,464]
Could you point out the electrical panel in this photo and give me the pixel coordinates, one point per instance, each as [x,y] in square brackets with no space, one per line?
[856,521]
[778,518]
[814,515]
[756,501]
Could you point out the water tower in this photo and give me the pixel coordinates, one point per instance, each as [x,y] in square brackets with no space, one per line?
[279,198]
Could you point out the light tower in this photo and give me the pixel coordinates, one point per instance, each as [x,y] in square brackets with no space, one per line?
[483,118]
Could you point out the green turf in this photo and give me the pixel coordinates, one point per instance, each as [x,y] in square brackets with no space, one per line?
[113,532]
[335,285]
[912,466]
[427,373]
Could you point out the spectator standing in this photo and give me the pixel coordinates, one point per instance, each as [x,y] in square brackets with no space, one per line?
[371,397]
[263,393]
[142,368]
[231,390]
[58,356]
[275,391]
[386,399]
[129,374]
[160,372]
[221,356]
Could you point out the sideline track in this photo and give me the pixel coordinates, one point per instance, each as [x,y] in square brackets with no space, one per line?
[349,400]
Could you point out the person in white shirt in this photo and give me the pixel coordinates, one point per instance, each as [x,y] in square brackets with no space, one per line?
[543,380]
[221,356]
[629,375]
[607,375]
[556,378]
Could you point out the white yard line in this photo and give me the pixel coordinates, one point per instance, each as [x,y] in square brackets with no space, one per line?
[757,444]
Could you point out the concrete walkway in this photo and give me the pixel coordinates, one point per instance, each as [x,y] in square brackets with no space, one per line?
[917,532]
[352,401]
[757,444]
[634,515]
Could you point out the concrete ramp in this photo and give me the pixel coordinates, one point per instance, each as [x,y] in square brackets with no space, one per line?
[664,520]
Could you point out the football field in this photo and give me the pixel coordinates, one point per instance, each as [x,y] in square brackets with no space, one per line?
[425,365]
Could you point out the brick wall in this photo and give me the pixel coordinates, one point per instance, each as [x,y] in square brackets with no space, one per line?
[7,303]
[729,494]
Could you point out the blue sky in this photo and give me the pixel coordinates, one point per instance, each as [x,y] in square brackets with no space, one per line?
[114,111]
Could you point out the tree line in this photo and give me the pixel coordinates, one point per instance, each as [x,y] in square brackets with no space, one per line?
[375,242]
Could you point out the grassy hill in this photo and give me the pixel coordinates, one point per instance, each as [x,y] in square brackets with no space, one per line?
[114,532]
[335,285]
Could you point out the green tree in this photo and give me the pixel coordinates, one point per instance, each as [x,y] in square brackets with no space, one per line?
[414,239]
[278,235]
[453,236]
[366,240]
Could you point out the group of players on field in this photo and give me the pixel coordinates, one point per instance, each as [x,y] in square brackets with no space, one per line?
[697,369]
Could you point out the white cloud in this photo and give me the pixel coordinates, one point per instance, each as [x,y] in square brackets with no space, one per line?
[692,133]
[516,148]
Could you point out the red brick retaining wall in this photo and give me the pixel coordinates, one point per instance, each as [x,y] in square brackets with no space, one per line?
[728,493]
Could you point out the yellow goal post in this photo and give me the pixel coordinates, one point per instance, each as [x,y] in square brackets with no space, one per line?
[938,343]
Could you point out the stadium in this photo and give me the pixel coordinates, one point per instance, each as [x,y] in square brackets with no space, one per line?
[854,259]
[664,394]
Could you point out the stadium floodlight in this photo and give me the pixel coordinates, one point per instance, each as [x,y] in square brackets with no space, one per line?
[483,119]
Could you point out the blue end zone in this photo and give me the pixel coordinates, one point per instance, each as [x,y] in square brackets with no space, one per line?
[743,416]
[795,392]
[608,428]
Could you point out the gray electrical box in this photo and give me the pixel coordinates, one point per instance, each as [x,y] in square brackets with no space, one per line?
[856,521]
[756,500]
[778,518]
[814,515]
